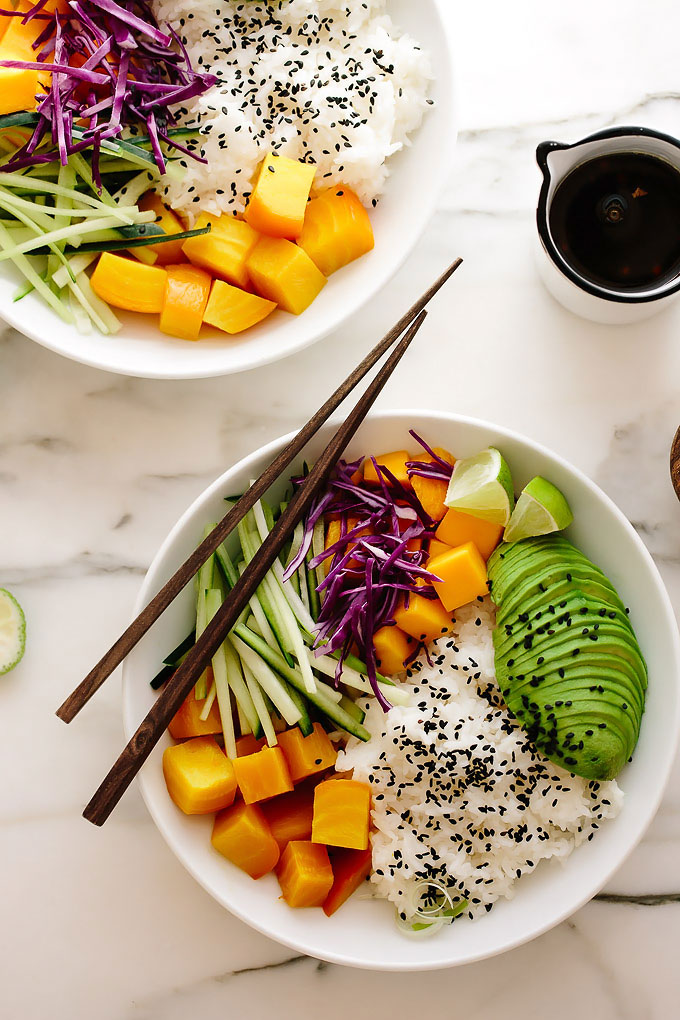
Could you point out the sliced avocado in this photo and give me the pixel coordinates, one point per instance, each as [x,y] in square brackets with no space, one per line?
[567,660]
[527,597]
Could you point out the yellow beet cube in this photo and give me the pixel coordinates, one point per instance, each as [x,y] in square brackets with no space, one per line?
[279,198]
[458,528]
[284,273]
[242,835]
[463,576]
[233,310]
[336,230]
[391,647]
[424,619]
[199,776]
[395,463]
[186,294]
[305,874]
[169,252]
[126,283]
[225,250]
[342,811]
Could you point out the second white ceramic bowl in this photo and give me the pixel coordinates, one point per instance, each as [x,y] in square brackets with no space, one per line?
[417,176]
[363,932]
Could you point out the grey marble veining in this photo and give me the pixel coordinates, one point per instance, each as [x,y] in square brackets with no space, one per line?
[94,469]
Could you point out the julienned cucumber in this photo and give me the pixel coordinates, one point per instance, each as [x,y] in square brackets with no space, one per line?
[139,239]
[333,711]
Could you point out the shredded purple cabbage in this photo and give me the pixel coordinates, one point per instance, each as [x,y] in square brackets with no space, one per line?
[370,568]
[113,67]
[436,468]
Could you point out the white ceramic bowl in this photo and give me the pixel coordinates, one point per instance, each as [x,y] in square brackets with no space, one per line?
[363,932]
[417,177]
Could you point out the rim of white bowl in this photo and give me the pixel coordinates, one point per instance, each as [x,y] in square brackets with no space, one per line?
[429,199]
[270,450]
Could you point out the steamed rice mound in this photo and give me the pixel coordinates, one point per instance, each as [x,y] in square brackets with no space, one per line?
[460,795]
[333,83]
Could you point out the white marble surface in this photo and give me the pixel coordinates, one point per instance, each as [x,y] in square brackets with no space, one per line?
[95,468]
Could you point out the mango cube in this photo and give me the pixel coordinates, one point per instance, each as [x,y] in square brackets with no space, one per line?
[284,273]
[232,310]
[279,198]
[242,835]
[336,230]
[436,548]
[423,619]
[391,646]
[395,463]
[224,251]
[199,776]
[458,528]
[463,576]
[305,874]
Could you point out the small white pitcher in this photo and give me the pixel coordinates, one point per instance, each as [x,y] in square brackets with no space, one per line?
[580,295]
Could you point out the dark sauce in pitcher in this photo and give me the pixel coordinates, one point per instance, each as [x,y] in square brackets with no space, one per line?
[616,220]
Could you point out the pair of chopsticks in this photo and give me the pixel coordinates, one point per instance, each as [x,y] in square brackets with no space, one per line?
[183,679]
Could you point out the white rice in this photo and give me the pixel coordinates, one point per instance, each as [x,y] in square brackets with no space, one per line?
[460,796]
[331,82]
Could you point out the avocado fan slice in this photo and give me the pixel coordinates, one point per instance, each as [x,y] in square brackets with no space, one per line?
[567,659]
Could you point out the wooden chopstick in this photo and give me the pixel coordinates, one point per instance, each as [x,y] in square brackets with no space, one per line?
[171,589]
[178,686]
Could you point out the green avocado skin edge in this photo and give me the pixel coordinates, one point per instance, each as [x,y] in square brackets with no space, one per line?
[567,660]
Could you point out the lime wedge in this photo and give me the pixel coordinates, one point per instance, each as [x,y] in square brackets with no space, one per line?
[482,487]
[12,632]
[541,509]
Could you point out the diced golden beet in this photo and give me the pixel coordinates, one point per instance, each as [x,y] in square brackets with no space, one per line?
[279,198]
[169,252]
[233,310]
[290,815]
[242,835]
[126,283]
[307,755]
[199,776]
[391,647]
[436,548]
[336,230]
[458,528]
[249,745]
[350,869]
[305,874]
[423,619]
[186,295]
[463,576]
[187,720]
[284,273]
[342,811]
[263,774]
[414,545]
[394,462]
[224,251]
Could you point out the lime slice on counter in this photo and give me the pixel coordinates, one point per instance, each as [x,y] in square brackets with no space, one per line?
[541,509]
[482,487]
[12,631]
